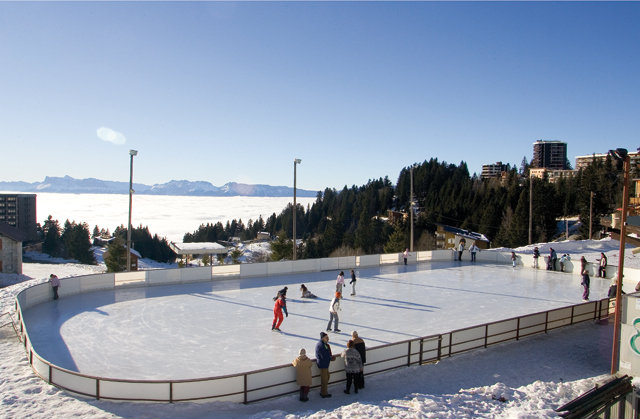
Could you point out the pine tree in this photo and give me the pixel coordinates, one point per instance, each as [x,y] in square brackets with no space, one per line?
[397,240]
[282,248]
[116,256]
[52,241]
[236,254]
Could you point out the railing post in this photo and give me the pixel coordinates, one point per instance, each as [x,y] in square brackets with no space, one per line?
[486,335]
[50,372]
[97,389]
[246,396]
[439,347]
[170,391]
[450,342]
[409,354]
[518,330]
[546,322]
[421,349]
[572,308]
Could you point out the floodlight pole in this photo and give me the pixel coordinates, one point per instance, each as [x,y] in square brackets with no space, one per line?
[623,235]
[411,207]
[590,214]
[295,243]
[131,191]
[530,208]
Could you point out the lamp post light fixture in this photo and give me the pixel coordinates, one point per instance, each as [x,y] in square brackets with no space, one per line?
[411,209]
[295,243]
[131,191]
[620,155]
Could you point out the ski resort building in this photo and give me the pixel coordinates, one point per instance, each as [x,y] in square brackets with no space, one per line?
[11,249]
[19,211]
[448,237]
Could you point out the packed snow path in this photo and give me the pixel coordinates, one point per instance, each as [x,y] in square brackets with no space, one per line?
[224,327]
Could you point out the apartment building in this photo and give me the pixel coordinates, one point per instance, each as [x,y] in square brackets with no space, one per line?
[584,161]
[19,211]
[549,154]
[493,170]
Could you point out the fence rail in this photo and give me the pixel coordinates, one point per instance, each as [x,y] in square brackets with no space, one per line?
[278,381]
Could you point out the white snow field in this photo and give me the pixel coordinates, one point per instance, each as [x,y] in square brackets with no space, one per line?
[224,327]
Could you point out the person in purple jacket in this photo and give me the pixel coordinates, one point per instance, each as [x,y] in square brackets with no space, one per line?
[55,284]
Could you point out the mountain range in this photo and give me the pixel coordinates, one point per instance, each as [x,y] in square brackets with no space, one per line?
[68,184]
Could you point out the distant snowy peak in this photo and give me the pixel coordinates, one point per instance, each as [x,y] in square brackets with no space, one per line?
[68,184]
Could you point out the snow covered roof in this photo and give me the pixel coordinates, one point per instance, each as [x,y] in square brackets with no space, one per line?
[12,232]
[197,248]
[465,233]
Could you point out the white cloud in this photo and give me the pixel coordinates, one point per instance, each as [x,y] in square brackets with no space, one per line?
[107,134]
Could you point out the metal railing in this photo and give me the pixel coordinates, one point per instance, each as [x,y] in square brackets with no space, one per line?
[278,381]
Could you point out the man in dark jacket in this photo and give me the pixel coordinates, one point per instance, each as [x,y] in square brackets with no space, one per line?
[323,359]
[362,350]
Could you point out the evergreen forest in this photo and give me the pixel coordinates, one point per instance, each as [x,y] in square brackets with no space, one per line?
[355,220]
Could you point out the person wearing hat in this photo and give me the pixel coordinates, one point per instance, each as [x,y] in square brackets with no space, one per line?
[278,308]
[282,292]
[303,366]
[323,359]
[334,307]
[359,346]
[55,284]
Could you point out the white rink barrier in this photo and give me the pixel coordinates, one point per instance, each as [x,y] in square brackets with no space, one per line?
[278,381]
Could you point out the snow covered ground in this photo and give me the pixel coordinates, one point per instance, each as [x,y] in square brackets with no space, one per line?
[557,368]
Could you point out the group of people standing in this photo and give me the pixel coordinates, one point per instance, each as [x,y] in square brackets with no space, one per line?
[473,249]
[355,356]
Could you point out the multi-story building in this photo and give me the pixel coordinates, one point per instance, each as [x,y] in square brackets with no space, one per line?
[584,161]
[19,211]
[493,170]
[549,154]
[551,175]
[10,249]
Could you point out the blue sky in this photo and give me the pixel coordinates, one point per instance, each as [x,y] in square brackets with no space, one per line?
[223,91]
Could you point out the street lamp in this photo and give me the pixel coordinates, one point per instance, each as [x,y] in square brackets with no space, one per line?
[295,244]
[620,155]
[411,207]
[131,191]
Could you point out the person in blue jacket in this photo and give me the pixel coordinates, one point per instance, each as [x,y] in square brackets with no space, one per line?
[323,359]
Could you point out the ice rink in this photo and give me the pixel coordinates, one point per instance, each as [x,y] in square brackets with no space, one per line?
[224,327]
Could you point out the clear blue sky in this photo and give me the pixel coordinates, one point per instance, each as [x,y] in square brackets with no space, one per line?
[227,91]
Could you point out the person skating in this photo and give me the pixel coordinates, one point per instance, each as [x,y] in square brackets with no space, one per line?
[514,258]
[405,255]
[323,359]
[359,346]
[585,284]
[473,249]
[279,307]
[352,366]
[306,293]
[55,284]
[334,307]
[282,292]
[460,250]
[602,269]
[564,259]
[536,255]
[340,282]
[583,265]
[353,283]
[303,366]
[553,257]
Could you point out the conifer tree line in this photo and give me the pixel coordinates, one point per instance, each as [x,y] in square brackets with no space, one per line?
[74,241]
[353,220]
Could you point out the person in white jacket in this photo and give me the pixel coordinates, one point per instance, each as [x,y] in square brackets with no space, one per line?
[334,307]
[473,249]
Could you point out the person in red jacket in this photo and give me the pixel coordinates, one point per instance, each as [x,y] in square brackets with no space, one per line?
[278,308]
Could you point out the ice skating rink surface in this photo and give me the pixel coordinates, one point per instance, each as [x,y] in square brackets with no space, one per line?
[223,327]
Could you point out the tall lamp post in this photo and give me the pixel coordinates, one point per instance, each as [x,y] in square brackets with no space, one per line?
[131,191]
[411,207]
[620,154]
[295,243]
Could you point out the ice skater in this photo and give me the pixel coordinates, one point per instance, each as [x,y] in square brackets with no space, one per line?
[602,269]
[359,345]
[282,292]
[585,284]
[405,254]
[323,359]
[583,265]
[303,366]
[563,260]
[353,283]
[473,249]
[460,250]
[334,307]
[352,366]
[536,255]
[306,293]
[514,258]
[340,282]
[553,257]
[55,284]
[279,307]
